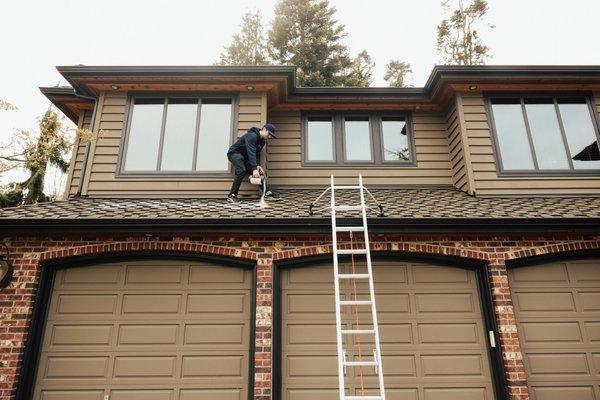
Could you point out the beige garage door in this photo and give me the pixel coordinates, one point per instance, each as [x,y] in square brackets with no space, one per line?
[160,330]
[432,333]
[557,308]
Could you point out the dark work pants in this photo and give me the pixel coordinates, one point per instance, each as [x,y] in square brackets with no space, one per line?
[242,168]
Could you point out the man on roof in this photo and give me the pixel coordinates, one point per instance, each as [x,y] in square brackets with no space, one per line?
[244,154]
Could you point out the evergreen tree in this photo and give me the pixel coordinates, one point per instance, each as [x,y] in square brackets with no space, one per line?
[304,33]
[457,37]
[249,46]
[396,73]
[361,71]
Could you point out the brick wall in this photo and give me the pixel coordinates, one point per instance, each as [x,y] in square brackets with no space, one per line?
[28,253]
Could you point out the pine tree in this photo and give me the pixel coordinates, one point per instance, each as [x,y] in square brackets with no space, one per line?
[361,71]
[304,33]
[249,46]
[457,38]
[396,73]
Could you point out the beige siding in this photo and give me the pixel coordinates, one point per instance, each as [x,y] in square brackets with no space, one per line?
[104,183]
[487,181]
[77,157]
[459,160]
[433,158]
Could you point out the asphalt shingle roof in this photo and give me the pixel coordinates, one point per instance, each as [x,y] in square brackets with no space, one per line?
[398,203]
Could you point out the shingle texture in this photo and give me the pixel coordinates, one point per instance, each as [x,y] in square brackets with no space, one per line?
[398,203]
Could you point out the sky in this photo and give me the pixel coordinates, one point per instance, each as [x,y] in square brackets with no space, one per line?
[37,35]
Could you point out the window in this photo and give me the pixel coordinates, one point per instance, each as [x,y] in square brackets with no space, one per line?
[178,135]
[545,134]
[356,139]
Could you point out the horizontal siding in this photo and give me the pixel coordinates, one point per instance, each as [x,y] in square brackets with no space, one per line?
[487,181]
[457,155]
[103,181]
[77,157]
[433,159]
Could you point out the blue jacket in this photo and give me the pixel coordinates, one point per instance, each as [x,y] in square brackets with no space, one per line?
[249,145]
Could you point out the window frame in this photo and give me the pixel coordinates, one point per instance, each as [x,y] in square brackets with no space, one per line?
[521,96]
[124,141]
[375,139]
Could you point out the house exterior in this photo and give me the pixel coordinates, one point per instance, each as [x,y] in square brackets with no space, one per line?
[144,283]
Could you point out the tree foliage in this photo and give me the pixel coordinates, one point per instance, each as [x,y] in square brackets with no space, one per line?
[361,71]
[249,46]
[396,73]
[5,105]
[304,33]
[458,39]
[35,152]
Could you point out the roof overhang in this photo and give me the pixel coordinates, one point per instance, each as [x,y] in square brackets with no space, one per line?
[279,83]
[66,100]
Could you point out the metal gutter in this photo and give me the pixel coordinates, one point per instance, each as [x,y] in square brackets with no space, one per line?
[299,225]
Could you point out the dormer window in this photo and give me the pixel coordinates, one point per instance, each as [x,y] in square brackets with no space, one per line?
[544,134]
[178,134]
[350,139]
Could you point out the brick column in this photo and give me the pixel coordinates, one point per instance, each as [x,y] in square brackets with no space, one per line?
[263,337]
[507,327]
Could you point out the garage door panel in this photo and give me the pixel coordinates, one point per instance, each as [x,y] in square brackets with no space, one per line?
[423,274]
[154,329]
[544,302]
[216,334]
[81,278]
[563,393]
[142,394]
[145,366]
[432,334]
[557,364]
[590,301]
[551,332]
[216,366]
[559,328]
[445,302]
[71,367]
[65,337]
[72,395]
[218,304]
[146,276]
[450,393]
[86,304]
[449,333]
[213,394]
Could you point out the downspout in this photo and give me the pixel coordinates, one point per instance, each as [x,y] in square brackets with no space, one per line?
[88,145]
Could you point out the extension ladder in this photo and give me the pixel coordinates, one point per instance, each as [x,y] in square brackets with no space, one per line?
[343,363]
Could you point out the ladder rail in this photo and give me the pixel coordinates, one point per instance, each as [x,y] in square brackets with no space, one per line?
[338,317]
[371,289]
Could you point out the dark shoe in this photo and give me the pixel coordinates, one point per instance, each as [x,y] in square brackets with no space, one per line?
[232,198]
[271,195]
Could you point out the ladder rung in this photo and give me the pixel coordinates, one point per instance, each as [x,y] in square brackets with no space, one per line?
[353,276]
[350,228]
[348,208]
[360,363]
[346,187]
[363,398]
[352,251]
[358,331]
[355,302]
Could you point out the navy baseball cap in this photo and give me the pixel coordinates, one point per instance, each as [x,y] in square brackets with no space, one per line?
[271,128]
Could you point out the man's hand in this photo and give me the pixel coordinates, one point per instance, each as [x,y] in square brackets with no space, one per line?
[255,173]
[260,170]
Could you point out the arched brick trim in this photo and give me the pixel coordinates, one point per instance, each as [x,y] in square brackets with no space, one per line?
[404,247]
[145,246]
[570,248]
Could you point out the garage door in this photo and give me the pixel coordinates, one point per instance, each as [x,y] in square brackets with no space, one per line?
[432,334]
[159,330]
[557,308]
